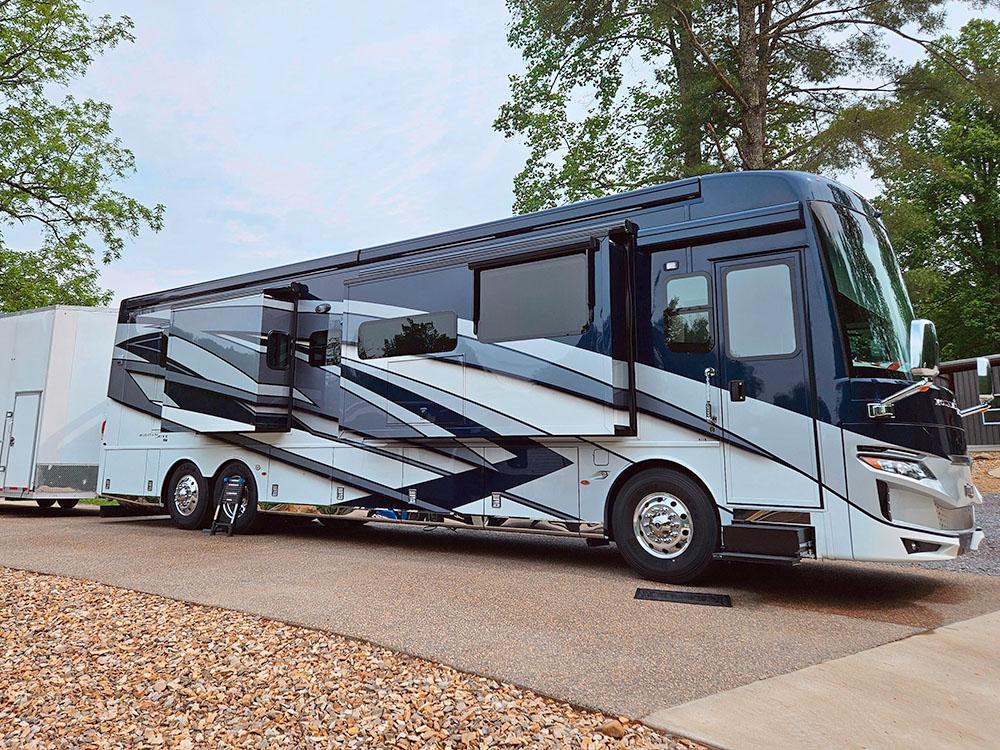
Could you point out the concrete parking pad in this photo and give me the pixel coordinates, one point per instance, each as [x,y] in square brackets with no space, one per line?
[938,689]
[552,615]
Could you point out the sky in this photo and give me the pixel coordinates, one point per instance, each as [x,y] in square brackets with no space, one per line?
[276,132]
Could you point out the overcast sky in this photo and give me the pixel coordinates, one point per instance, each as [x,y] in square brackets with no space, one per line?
[275,132]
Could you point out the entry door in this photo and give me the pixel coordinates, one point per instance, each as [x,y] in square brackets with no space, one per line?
[765,381]
[21,443]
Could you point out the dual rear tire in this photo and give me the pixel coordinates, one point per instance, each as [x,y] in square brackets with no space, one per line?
[191,500]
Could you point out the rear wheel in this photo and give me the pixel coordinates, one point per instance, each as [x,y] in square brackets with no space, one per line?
[68,503]
[187,498]
[44,503]
[665,526]
[242,513]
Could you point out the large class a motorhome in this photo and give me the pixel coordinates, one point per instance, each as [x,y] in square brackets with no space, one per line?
[721,367]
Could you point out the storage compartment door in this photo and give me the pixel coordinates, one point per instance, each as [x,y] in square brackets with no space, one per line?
[229,366]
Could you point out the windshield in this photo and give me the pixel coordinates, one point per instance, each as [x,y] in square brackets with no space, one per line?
[872,302]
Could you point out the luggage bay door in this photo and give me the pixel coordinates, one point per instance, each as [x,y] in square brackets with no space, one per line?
[230,363]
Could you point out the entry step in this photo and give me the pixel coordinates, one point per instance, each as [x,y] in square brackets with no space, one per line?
[767,542]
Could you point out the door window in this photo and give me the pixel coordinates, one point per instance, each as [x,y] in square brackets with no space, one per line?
[687,318]
[760,312]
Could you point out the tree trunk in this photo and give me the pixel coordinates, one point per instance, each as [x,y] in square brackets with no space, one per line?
[689,119]
[752,72]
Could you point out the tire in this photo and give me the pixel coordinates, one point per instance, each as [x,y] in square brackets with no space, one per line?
[68,504]
[187,499]
[678,526]
[247,518]
[44,502]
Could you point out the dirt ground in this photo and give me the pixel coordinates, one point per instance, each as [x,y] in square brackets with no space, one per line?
[986,472]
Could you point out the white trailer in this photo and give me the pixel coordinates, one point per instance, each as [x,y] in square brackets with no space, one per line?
[54,369]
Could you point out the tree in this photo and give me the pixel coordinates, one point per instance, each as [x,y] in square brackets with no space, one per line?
[624,93]
[941,199]
[59,159]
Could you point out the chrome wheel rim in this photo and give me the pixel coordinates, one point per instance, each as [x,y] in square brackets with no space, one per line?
[662,525]
[186,495]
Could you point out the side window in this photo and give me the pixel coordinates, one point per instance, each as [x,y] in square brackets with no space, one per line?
[324,346]
[432,333]
[760,313]
[534,299]
[278,350]
[687,318]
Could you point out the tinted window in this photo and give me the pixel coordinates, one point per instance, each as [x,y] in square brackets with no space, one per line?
[760,318]
[409,335]
[537,299]
[324,346]
[278,348]
[687,319]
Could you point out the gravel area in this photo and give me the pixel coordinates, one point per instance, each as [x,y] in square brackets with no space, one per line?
[986,560]
[88,665]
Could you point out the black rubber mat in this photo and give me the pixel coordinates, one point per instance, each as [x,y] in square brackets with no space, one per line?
[684,597]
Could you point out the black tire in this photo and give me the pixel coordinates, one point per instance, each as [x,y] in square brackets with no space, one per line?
[68,504]
[187,498]
[44,502]
[246,516]
[690,526]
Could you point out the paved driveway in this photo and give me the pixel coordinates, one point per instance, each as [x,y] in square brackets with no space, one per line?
[552,615]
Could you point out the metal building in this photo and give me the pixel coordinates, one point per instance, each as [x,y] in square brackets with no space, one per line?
[983,430]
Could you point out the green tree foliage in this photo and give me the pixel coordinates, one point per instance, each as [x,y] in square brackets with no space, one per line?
[942,188]
[623,93]
[59,159]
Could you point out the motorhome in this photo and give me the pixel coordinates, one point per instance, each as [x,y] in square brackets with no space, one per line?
[722,367]
[54,365]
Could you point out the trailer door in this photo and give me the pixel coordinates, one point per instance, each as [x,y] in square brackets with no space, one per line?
[766,383]
[22,440]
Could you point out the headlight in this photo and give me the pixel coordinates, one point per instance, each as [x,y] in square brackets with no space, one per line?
[911,469]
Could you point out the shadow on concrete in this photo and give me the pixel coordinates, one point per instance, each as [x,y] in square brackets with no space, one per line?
[892,594]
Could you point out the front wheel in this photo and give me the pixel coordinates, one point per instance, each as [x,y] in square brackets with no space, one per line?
[68,504]
[665,526]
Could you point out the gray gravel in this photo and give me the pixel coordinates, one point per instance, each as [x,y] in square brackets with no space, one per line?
[986,560]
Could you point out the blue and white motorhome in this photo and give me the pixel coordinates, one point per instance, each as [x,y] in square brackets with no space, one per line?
[720,367]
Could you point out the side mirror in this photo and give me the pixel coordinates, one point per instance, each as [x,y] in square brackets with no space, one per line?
[924,353]
[984,380]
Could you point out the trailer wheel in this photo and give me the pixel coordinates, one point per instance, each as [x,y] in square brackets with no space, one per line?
[243,515]
[44,502]
[665,526]
[68,503]
[186,497]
